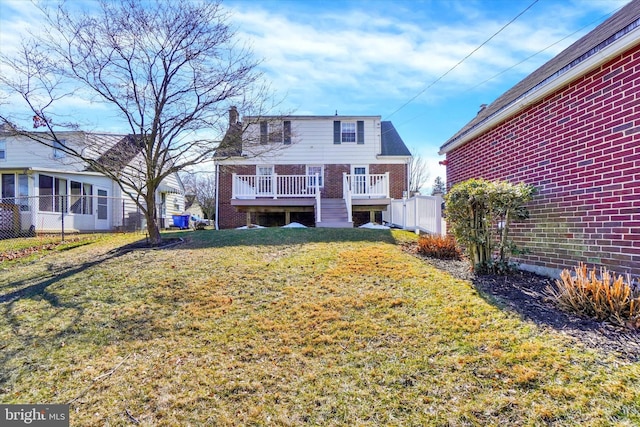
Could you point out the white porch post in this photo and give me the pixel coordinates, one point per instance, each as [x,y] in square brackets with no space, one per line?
[274,185]
[387,184]
[318,207]
[233,185]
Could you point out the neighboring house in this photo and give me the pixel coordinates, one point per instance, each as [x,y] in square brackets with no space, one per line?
[571,129]
[41,186]
[323,171]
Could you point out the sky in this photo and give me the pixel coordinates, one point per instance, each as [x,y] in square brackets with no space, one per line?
[425,65]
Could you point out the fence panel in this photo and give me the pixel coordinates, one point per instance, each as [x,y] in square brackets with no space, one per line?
[418,213]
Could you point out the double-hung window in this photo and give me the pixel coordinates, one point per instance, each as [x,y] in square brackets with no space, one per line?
[3,150]
[348,131]
[275,131]
[312,170]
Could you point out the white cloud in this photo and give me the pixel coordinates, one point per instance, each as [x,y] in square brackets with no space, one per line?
[334,56]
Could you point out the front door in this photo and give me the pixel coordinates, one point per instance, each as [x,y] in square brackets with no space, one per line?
[359,180]
[102,209]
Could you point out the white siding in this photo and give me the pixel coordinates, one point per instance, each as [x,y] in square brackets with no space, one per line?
[312,143]
[22,152]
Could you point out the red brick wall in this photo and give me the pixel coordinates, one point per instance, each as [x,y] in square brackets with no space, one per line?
[229,218]
[397,178]
[581,148]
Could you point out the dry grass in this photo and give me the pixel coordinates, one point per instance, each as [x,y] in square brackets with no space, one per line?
[288,327]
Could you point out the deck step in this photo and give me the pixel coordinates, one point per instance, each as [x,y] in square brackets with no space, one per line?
[334,224]
[334,214]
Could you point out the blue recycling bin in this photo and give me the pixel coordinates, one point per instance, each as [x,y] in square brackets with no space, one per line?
[181,221]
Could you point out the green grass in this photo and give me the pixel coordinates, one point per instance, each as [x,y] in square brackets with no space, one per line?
[288,327]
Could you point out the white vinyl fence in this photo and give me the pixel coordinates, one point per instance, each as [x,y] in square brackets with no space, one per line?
[419,213]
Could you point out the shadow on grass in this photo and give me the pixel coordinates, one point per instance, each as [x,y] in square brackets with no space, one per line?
[281,236]
[30,288]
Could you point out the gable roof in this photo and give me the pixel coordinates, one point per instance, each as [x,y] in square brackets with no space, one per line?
[392,143]
[619,25]
[120,154]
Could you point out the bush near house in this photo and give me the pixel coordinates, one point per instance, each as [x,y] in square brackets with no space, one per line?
[480,213]
[603,296]
[441,247]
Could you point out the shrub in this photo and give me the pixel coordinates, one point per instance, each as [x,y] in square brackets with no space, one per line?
[441,247]
[481,213]
[603,297]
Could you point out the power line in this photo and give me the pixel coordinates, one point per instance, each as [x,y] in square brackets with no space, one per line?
[600,19]
[462,60]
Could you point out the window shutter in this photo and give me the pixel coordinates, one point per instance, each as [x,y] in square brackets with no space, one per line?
[263,132]
[287,132]
[336,131]
[360,134]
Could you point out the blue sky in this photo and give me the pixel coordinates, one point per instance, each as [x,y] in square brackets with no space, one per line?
[373,57]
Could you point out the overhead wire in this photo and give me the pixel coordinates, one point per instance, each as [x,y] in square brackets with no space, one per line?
[463,59]
[600,19]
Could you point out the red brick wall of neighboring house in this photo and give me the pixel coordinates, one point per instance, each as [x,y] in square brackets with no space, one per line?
[580,147]
[397,178]
[230,218]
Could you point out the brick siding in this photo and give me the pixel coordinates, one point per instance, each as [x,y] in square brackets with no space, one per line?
[580,147]
[397,178]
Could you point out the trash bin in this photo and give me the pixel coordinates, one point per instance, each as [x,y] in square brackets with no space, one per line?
[181,221]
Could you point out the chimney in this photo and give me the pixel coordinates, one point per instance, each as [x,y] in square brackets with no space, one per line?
[233,116]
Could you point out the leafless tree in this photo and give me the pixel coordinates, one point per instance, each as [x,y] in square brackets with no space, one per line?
[418,173]
[203,187]
[169,69]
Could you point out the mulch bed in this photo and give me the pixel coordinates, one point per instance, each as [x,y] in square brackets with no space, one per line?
[524,293]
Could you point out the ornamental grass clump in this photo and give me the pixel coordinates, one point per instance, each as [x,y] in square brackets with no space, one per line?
[603,296]
[441,247]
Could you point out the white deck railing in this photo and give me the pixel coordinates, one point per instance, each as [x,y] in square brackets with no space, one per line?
[273,186]
[367,185]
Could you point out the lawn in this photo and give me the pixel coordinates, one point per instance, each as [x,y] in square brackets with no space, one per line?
[287,327]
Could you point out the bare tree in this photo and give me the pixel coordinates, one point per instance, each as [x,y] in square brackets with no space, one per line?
[203,187]
[419,173]
[169,69]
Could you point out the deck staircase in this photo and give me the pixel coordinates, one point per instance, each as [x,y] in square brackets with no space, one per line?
[334,214]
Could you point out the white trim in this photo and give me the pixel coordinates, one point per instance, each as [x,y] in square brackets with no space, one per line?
[616,48]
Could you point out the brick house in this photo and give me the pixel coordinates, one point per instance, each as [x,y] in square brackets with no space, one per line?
[323,171]
[571,129]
